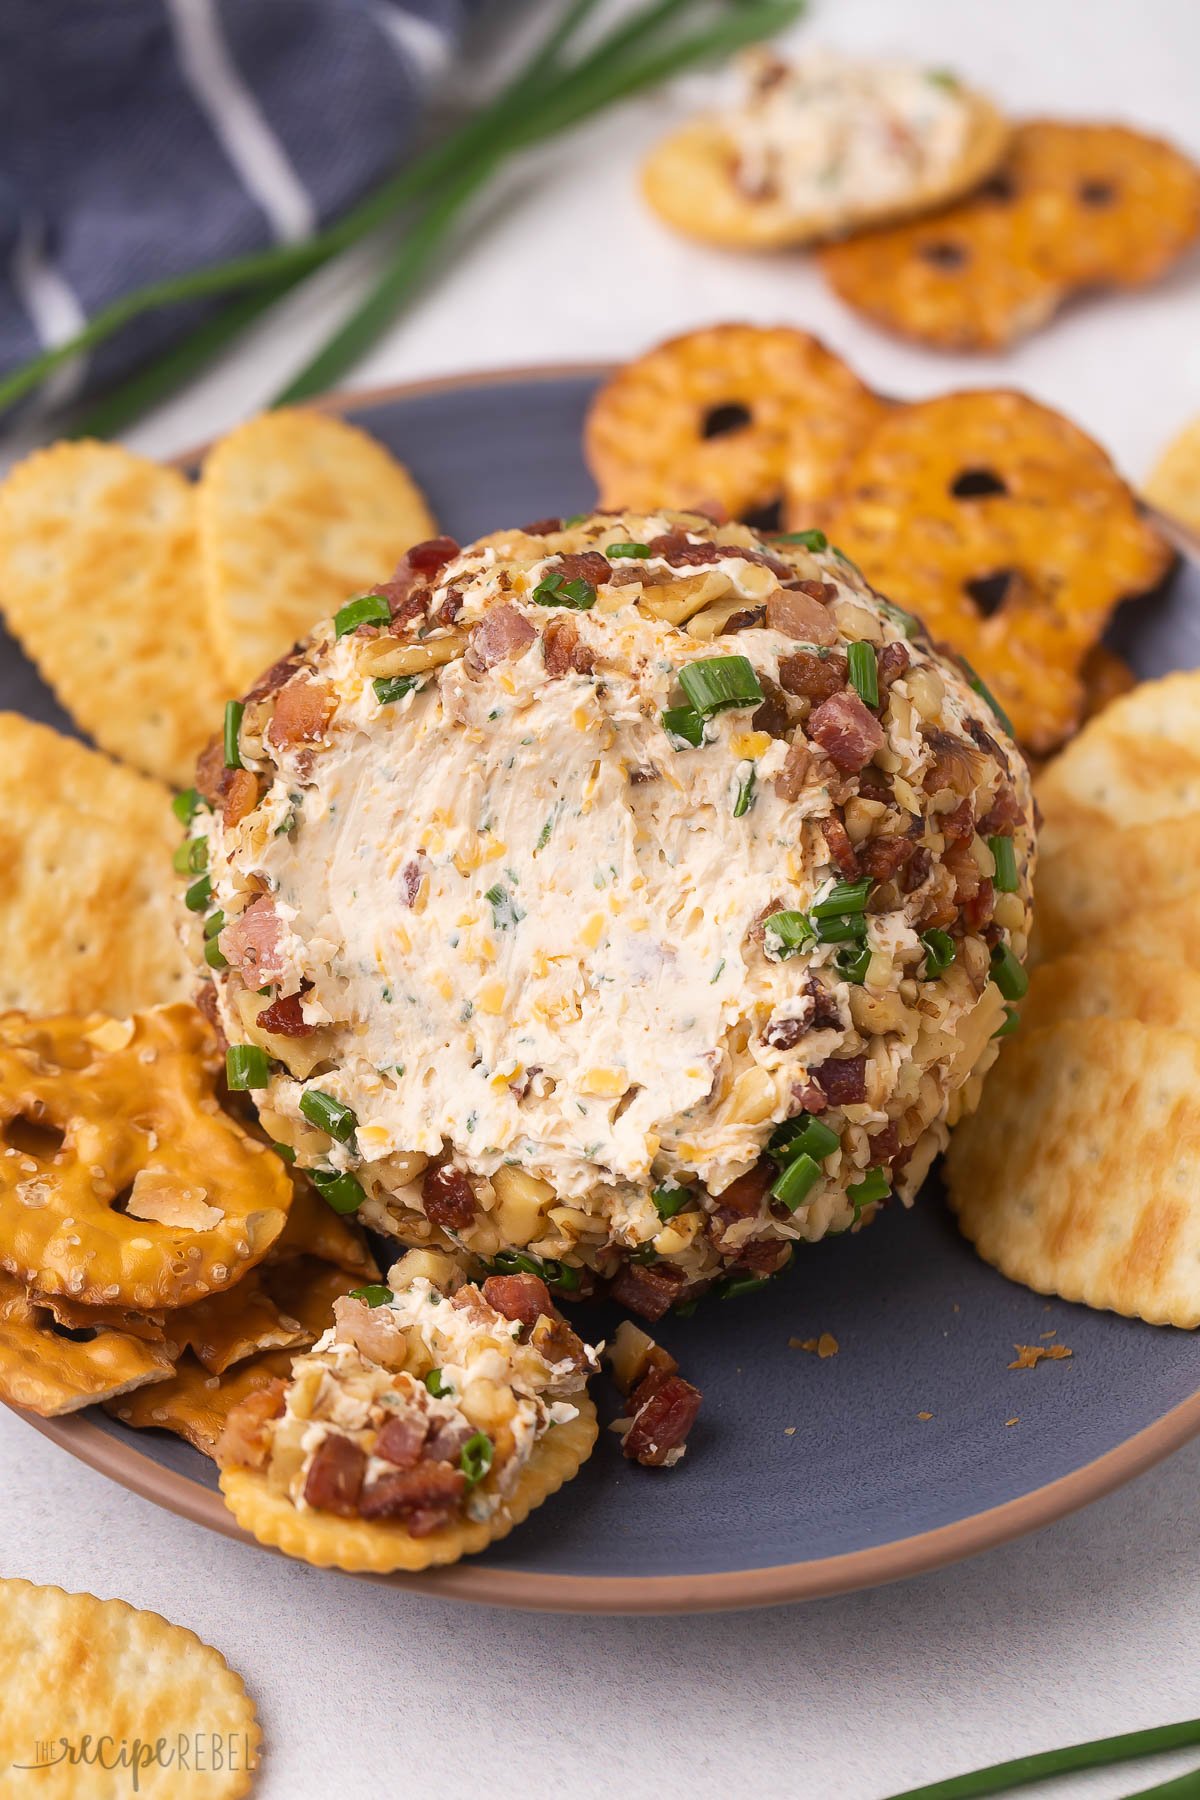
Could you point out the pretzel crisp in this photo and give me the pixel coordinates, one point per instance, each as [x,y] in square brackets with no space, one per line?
[1010,533]
[1073,206]
[718,418]
[122,1182]
[47,1372]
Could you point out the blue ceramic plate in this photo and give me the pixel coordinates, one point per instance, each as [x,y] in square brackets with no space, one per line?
[916,1443]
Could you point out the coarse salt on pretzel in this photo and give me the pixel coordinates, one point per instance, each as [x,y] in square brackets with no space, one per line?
[1012,535]
[122,1181]
[47,1372]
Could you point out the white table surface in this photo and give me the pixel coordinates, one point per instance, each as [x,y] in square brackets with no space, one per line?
[1092,1626]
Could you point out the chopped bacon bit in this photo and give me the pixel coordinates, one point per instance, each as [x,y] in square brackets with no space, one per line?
[742,1199]
[251,943]
[449,1201]
[917,871]
[883,856]
[402,1439]
[273,678]
[450,608]
[809,1098]
[542,527]
[585,565]
[675,549]
[301,714]
[244,1440]
[885,1143]
[240,796]
[411,876]
[661,1421]
[648,1290]
[407,593]
[206,1002]
[847,732]
[813,677]
[892,662]
[284,1016]
[959,825]
[500,636]
[1003,815]
[797,613]
[522,1298]
[873,784]
[430,555]
[335,1475]
[772,715]
[825,1006]
[446,1440]
[425,1497]
[210,770]
[843,1080]
[764,1256]
[563,650]
[793,777]
[841,850]
[406,607]
[785,1034]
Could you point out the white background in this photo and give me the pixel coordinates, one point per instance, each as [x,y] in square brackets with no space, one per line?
[1094,1626]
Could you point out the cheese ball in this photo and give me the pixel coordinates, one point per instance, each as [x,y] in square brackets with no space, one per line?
[626,898]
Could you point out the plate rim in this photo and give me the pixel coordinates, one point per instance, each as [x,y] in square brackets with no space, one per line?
[776,1584]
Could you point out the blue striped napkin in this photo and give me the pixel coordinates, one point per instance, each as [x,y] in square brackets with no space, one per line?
[143,138]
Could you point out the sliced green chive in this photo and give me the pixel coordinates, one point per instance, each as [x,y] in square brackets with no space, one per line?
[521,1262]
[505,911]
[908,622]
[191,856]
[843,897]
[364,609]
[796,1180]
[808,540]
[475,1458]
[1008,974]
[784,933]
[328,1114]
[198,895]
[341,1192]
[979,686]
[852,963]
[285,1153]
[939,951]
[669,1200]
[213,955]
[185,806]
[611,550]
[233,725]
[436,1386]
[740,1284]
[943,78]
[745,795]
[864,672]
[575,519]
[246,1066]
[684,726]
[214,924]
[1012,1019]
[389,688]
[802,1136]
[1004,851]
[873,1186]
[851,927]
[555,590]
[717,682]
[374,1294]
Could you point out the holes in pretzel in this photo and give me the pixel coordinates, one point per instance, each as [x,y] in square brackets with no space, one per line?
[977,484]
[943,253]
[120,1202]
[721,421]
[1096,192]
[766,518]
[999,187]
[989,592]
[33,1137]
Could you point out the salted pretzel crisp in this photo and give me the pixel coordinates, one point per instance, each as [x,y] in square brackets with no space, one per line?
[719,418]
[47,1372]
[122,1182]
[1073,206]
[1010,533]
